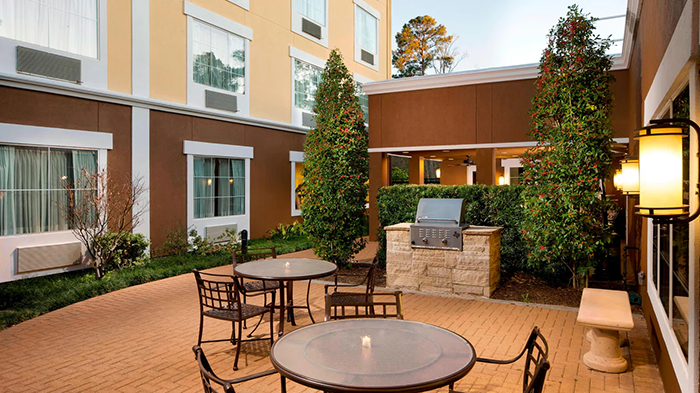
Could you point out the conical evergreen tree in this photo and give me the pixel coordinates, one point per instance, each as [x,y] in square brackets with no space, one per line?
[336,167]
[570,118]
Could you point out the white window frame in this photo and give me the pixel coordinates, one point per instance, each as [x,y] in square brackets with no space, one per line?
[245,4]
[471,169]
[196,91]
[93,71]
[360,4]
[296,54]
[294,158]
[23,135]
[296,25]
[216,150]
[508,163]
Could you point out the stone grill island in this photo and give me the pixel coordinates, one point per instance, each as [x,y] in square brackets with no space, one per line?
[476,270]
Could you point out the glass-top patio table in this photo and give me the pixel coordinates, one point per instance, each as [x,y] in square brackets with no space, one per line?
[286,270]
[404,356]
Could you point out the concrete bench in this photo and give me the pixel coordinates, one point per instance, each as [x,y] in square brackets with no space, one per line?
[607,313]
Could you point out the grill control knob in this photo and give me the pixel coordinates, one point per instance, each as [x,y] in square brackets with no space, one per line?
[425,240]
[444,241]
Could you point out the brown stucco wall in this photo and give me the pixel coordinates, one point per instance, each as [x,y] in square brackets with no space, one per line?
[270,170]
[485,113]
[18,106]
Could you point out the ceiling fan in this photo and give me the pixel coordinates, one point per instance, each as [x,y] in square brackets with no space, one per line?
[467,162]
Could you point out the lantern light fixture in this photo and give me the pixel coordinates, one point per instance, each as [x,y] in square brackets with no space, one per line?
[501,180]
[437,173]
[617,179]
[661,171]
[629,179]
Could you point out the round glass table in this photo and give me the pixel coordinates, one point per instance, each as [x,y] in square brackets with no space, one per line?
[404,356]
[278,270]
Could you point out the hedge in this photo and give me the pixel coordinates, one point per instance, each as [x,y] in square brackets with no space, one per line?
[484,205]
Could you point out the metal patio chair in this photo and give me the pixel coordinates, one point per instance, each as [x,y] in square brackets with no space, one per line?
[251,288]
[209,378]
[219,298]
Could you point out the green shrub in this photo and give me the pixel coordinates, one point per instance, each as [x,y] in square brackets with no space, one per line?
[399,175]
[484,205]
[286,232]
[130,249]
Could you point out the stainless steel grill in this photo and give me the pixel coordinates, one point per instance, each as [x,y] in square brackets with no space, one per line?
[439,224]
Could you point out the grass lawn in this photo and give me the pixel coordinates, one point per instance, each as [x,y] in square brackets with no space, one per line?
[25,299]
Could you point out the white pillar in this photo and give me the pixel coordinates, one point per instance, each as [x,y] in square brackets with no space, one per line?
[140,164]
[140,48]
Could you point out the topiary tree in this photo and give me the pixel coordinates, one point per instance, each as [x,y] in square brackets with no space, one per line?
[564,225]
[336,167]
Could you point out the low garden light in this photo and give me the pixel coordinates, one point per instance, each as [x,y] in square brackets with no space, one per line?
[661,171]
[629,178]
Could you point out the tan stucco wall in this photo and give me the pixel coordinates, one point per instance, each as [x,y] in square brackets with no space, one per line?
[270,70]
[119,46]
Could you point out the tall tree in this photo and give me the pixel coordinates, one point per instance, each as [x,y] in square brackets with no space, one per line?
[421,42]
[336,167]
[570,118]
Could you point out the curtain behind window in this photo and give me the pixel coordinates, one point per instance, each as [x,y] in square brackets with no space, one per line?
[366,30]
[312,9]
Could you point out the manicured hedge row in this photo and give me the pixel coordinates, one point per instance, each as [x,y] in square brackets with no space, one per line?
[485,205]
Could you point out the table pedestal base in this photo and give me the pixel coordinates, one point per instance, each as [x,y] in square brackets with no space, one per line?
[605,352]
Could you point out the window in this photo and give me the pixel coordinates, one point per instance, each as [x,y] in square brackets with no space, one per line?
[218,58]
[306,81]
[366,35]
[32,179]
[312,9]
[670,273]
[515,175]
[364,101]
[219,187]
[69,26]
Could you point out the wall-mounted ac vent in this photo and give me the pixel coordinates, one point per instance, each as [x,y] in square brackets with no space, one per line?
[36,62]
[30,259]
[310,28]
[215,233]
[307,120]
[366,57]
[221,101]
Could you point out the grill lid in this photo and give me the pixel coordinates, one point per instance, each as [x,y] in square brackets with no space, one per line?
[440,211]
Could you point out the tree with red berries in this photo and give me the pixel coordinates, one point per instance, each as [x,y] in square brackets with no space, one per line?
[336,167]
[564,226]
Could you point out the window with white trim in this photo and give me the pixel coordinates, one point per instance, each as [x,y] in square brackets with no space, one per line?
[69,26]
[33,182]
[364,101]
[310,20]
[219,187]
[218,58]
[307,78]
[366,37]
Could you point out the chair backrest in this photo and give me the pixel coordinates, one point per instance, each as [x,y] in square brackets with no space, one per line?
[207,374]
[344,305]
[217,291]
[252,255]
[536,362]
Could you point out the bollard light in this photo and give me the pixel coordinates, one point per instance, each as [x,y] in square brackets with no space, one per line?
[661,171]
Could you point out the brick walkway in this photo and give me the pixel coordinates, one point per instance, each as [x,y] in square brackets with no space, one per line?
[140,339]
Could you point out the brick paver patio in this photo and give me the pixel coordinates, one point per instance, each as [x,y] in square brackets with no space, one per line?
[140,339]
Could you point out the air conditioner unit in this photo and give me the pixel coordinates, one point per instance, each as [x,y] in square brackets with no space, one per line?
[221,101]
[311,28]
[36,62]
[30,259]
[366,57]
[307,120]
[215,233]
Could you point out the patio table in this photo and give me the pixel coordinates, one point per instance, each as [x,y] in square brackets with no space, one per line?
[404,356]
[276,270]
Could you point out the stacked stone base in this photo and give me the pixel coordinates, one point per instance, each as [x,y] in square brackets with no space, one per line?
[476,270]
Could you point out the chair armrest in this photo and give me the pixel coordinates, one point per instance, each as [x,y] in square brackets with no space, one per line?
[361,264]
[252,376]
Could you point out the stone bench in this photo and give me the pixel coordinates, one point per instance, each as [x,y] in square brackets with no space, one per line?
[607,313]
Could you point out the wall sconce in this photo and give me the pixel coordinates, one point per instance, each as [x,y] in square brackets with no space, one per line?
[501,180]
[617,179]
[437,173]
[661,171]
[629,179]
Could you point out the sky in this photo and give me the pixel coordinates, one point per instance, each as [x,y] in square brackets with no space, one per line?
[498,33]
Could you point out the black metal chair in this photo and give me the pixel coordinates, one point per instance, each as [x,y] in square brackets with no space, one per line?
[209,377]
[536,352]
[219,298]
[251,288]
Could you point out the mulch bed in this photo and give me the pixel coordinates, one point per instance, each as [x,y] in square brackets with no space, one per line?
[523,287]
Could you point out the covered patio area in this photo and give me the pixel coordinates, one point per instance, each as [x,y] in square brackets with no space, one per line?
[140,339]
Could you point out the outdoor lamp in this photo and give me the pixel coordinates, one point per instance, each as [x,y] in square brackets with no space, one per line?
[629,178]
[617,179]
[501,180]
[661,171]
[437,173]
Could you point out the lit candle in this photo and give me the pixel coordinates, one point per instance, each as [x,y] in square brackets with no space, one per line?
[367,341]
[287,265]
